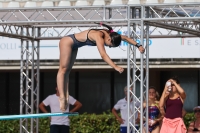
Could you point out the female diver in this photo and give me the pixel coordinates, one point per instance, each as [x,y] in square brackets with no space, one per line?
[69,45]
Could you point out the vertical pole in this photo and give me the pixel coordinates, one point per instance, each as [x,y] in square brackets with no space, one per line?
[147,69]
[141,70]
[104,13]
[32,81]
[110,13]
[133,71]
[27,79]
[38,78]
[128,74]
[21,81]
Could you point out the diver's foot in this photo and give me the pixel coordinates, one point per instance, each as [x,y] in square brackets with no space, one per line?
[67,97]
[63,104]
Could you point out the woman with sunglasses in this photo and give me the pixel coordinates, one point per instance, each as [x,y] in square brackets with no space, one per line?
[94,37]
[172,99]
[195,125]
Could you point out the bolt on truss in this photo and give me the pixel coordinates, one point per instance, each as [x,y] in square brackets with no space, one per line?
[142,22]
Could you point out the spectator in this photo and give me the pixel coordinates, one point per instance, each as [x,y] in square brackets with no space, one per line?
[122,106]
[172,98]
[59,124]
[154,112]
[195,125]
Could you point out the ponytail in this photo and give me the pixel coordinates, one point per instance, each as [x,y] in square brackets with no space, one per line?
[107,26]
[115,37]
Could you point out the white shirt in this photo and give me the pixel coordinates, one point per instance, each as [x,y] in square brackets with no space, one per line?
[53,102]
[122,106]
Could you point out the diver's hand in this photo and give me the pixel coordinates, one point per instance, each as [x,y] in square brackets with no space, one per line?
[141,49]
[119,69]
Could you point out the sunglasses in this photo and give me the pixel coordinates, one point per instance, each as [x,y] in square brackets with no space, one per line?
[195,111]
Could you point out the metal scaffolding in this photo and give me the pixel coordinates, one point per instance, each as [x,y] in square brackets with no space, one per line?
[31,24]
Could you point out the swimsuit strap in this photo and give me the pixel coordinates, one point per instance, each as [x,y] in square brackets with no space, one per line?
[95,29]
[103,34]
[88,33]
[88,37]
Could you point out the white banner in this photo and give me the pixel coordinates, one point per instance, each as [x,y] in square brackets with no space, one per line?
[10,49]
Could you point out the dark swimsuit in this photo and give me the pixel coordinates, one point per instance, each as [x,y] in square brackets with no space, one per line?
[195,129]
[77,44]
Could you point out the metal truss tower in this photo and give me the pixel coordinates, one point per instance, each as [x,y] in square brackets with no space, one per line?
[29,79]
[142,22]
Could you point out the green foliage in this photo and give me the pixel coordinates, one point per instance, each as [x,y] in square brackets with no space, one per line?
[9,126]
[189,117]
[84,123]
[91,123]
[44,124]
[13,126]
